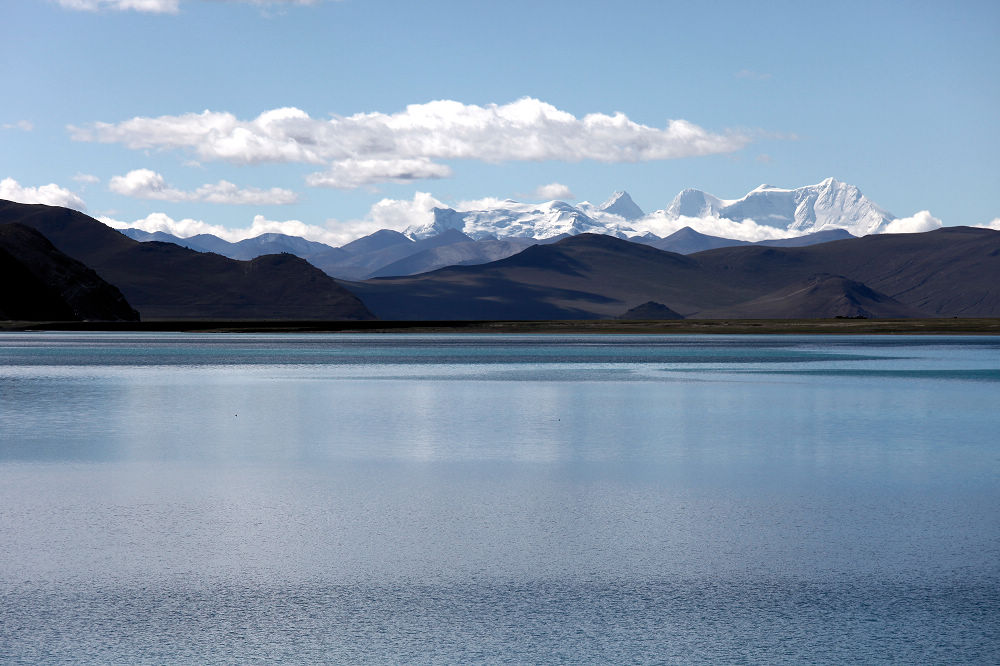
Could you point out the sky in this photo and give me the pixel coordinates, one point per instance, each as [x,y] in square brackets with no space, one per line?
[333,118]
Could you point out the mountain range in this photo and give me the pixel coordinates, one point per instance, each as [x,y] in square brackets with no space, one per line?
[474,265]
[812,214]
[953,271]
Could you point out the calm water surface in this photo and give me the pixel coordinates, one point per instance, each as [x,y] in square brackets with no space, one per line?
[200,498]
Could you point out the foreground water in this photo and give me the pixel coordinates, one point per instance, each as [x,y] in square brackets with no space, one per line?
[242,498]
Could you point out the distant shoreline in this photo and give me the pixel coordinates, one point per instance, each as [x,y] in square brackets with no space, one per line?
[972,326]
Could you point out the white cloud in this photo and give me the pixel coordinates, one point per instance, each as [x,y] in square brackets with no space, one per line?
[146,6]
[168,6]
[553,191]
[86,178]
[396,214]
[265,3]
[50,195]
[379,144]
[351,173]
[663,225]
[995,225]
[187,227]
[23,125]
[147,184]
[486,203]
[162,222]
[918,223]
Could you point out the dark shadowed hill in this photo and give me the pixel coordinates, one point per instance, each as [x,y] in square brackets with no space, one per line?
[166,281]
[953,271]
[689,241]
[371,253]
[580,277]
[42,283]
[814,238]
[949,272]
[821,296]
[455,254]
[651,310]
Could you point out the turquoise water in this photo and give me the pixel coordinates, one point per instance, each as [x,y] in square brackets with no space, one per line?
[200,498]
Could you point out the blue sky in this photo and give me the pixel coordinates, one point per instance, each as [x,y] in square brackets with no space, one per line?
[102,101]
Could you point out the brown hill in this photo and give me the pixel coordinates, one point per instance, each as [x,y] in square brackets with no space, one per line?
[652,311]
[953,271]
[166,281]
[821,296]
[582,277]
[949,272]
[42,283]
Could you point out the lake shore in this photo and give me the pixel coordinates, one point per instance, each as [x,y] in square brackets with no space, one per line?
[955,326]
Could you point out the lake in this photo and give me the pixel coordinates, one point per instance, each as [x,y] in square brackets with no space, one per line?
[215,498]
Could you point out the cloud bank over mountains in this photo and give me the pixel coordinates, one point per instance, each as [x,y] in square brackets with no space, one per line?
[394,214]
[187,227]
[369,148]
[424,215]
[917,223]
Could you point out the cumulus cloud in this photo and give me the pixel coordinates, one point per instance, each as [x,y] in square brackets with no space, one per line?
[553,191]
[397,214]
[995,225]
[394,214]
[404,145]
[146,6]
[148,184]
[918,223]
[50,195]
[350,174]
[23,125]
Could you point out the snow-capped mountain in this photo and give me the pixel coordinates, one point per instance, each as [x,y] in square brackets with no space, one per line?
[621,204]
[830,204]
[512,219]
[695,203]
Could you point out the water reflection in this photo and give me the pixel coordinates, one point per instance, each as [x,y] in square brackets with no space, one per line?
[182,498]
